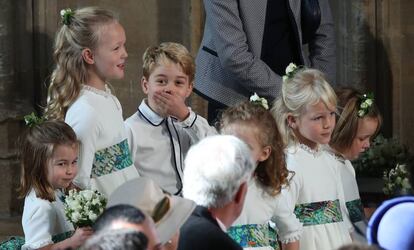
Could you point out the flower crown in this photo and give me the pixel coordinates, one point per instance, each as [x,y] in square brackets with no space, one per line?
[290,71]
[366,101]
[66,15]
[255,99]
[32,120]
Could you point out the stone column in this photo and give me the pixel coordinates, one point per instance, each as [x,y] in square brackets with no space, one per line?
[362,56]
[16,100]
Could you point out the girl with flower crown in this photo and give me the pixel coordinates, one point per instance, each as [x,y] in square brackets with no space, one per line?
[305,114]
[90,50]
[48,155]
[358,121]
[253,123]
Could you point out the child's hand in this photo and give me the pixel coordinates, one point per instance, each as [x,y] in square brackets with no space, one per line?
[172,105]
[80,236]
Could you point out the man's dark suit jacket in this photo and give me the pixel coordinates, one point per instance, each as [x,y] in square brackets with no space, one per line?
[201,231]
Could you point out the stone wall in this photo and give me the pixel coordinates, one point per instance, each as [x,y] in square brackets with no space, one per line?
[375,49]
[375,45]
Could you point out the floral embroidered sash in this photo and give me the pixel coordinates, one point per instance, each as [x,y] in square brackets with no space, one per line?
[254,235]
[111,159]
[355,210]
[16,242]
[317,213]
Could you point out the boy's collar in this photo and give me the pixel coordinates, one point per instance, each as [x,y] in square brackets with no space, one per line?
[149,114]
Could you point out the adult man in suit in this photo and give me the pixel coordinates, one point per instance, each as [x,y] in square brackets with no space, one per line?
[248,44]
[216,175]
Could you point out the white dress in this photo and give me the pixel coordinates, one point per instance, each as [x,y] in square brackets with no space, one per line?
[44,222]
[252,229]
[316,195]
[104,160]
[159,145]
[352,199]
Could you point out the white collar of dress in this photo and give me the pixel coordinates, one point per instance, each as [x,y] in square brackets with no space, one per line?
[315,152]
[106,93]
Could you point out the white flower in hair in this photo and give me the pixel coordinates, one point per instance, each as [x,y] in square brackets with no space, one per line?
[290,71]
[290,68]
[256,99]
[366,101]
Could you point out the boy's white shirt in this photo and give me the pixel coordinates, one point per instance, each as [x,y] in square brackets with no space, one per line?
[153,138]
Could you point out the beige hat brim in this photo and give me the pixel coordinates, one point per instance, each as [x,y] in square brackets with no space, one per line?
[180,210]
[144,194]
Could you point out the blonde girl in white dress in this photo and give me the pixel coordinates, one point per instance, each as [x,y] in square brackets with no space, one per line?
[305,113]
[49,154]
[90,50]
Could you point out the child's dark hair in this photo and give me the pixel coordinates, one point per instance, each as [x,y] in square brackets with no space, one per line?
[271,173]
[349,102]
[35,150]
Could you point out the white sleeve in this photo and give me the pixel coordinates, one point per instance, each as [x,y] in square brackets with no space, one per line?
[131,136]
[289,226]
[336,165]
[196,127]
[342,201]
[83,120]
[37,225]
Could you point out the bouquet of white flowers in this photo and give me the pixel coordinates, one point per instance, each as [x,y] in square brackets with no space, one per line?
[83,207]
[396,181]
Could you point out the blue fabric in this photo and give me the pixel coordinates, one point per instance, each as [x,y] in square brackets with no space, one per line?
[392,224]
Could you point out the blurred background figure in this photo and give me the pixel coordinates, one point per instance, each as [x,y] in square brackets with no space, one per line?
[125,239]
[391,226]
[167,212]
[128,217]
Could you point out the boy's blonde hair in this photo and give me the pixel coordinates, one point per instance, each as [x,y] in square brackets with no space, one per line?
[83,30]
[165,53]
[35,152]
[306,87]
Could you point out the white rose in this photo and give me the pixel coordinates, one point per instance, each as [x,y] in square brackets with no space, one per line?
[254,97]
[92,216]
[87,194]
[290,68]
[74,204]
[264,103]
[369,102]
[95,201]
[364,105]
[75,217]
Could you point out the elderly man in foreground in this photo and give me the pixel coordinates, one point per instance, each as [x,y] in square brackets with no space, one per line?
[216,175]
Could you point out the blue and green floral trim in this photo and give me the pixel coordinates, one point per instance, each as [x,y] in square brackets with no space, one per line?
[355,210]
[254,235]
[111,159]
[16,242]
[317,213]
